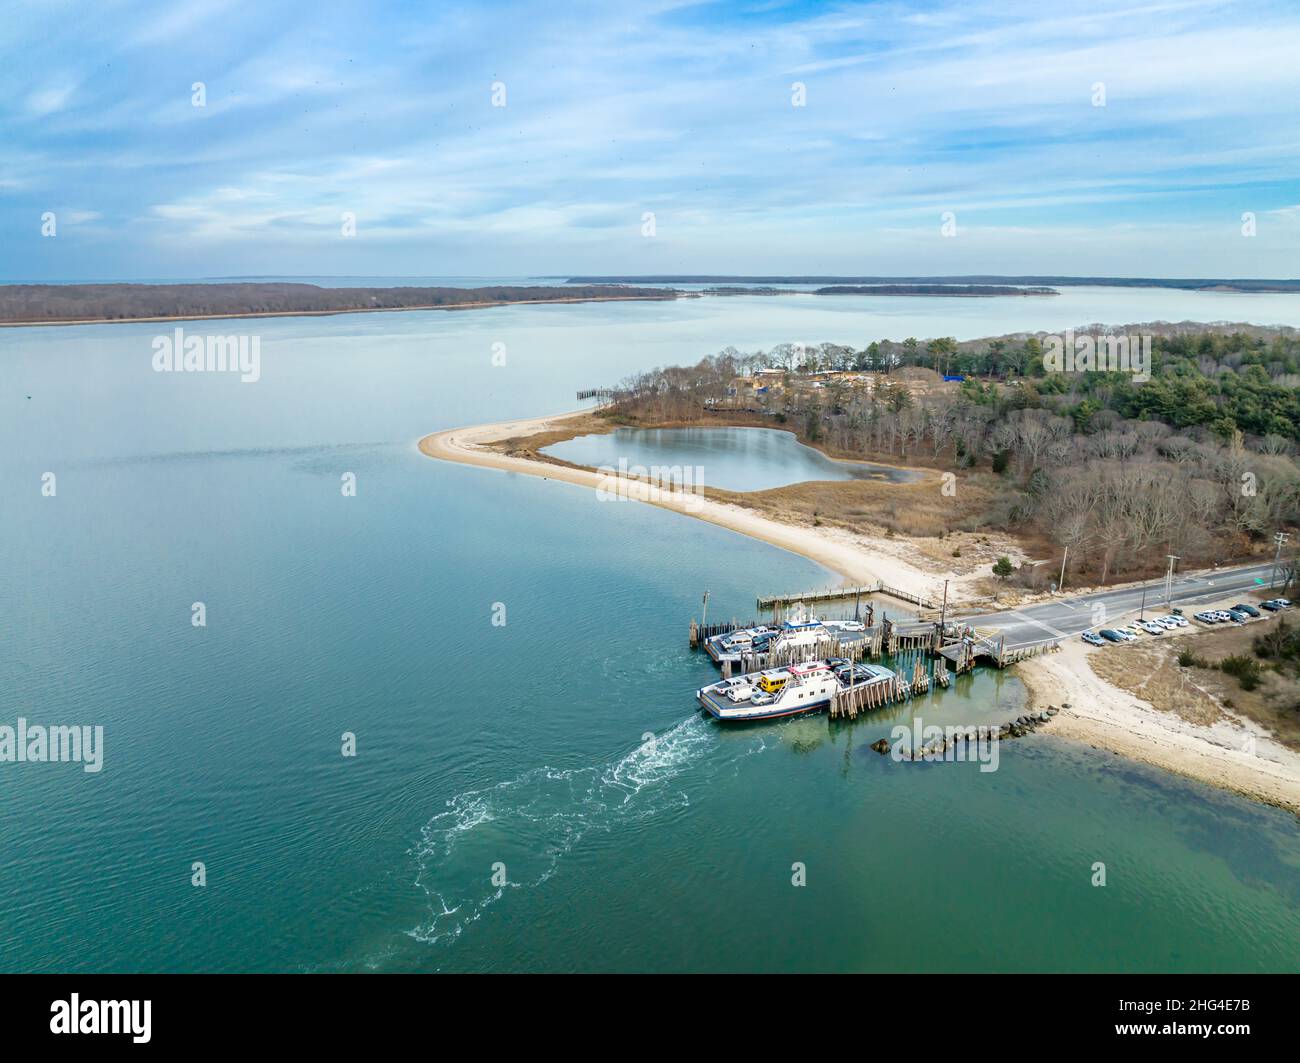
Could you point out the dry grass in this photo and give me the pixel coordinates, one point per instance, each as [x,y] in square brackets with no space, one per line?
[1150,670]
[919,513]
[867,506]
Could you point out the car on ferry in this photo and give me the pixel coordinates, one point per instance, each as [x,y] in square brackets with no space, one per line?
[848,673]
[741,688]
[772,682]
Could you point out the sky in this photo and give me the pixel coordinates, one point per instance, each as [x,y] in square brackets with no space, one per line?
[539,139]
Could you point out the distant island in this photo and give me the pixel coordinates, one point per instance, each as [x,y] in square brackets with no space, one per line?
[949,290]
[1186,284]
[67,304]
[76,304]
[976,291]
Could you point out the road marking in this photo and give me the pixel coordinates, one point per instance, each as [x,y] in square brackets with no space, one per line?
[1038,623]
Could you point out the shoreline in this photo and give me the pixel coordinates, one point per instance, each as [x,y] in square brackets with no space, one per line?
[1100,714]
[1104,716]
[855,559]
[332,313]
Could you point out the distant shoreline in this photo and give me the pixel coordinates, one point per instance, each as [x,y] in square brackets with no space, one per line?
[108,303]
[331,313]
[1243,285]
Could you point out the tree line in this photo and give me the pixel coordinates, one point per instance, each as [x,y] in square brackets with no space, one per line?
[1198,461]
[115,302]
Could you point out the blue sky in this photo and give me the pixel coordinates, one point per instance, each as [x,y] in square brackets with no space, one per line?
[384,110]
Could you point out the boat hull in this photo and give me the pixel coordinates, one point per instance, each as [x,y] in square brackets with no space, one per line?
[727,711]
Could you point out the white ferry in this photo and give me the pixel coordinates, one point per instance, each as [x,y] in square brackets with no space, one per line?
[786,691]
[730,646]
[803,630]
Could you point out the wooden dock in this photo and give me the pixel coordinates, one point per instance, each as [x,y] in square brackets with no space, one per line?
[596,393]
[836,594]
[966,650]
[700,632]
[953,643]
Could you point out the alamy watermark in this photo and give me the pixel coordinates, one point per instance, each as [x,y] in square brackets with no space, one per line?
[1099,354]
[179,353]
[951,744]
[58,743]
[682,484]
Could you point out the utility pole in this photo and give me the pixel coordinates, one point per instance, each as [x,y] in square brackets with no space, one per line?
[1142,613]
[1060,584]
[943,610]
[1169,580]
[1280,538]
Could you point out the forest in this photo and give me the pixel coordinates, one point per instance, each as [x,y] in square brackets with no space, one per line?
[1198,461]
[41,303]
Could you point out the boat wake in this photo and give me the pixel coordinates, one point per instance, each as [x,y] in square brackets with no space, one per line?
[513,835]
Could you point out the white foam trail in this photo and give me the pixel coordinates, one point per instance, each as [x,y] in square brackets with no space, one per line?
[530,822]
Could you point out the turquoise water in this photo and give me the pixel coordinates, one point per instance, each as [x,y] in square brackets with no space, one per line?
[735,459]
[522,745]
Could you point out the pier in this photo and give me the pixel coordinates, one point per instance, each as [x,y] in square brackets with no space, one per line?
[919,653]
[702,632]
[835,594]
[604,394]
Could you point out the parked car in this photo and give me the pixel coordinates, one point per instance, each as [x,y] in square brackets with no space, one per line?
[1207,618]
[1152,628]
[1112,636]
[857,673]
[1271,605]
[1285,603]
[1237,617]
[1092,638]
[1249,610]
[1175,619]
[1221,616]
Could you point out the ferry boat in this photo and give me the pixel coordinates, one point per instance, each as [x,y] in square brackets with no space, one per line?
[802,630]
[789,691]
[730,646]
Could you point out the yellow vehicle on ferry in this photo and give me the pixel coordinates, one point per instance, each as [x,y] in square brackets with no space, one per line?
[772,682]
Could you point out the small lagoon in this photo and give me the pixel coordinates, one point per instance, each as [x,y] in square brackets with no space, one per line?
[734,459]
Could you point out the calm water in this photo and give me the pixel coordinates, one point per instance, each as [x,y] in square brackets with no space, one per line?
[521,745]
[736,459]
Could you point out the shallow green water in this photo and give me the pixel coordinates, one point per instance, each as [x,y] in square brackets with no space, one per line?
[522,745]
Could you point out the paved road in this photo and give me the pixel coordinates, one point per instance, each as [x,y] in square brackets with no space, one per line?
[1071,614]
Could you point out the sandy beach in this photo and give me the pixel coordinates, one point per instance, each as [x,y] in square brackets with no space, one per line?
[1233,753]
[856,559]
